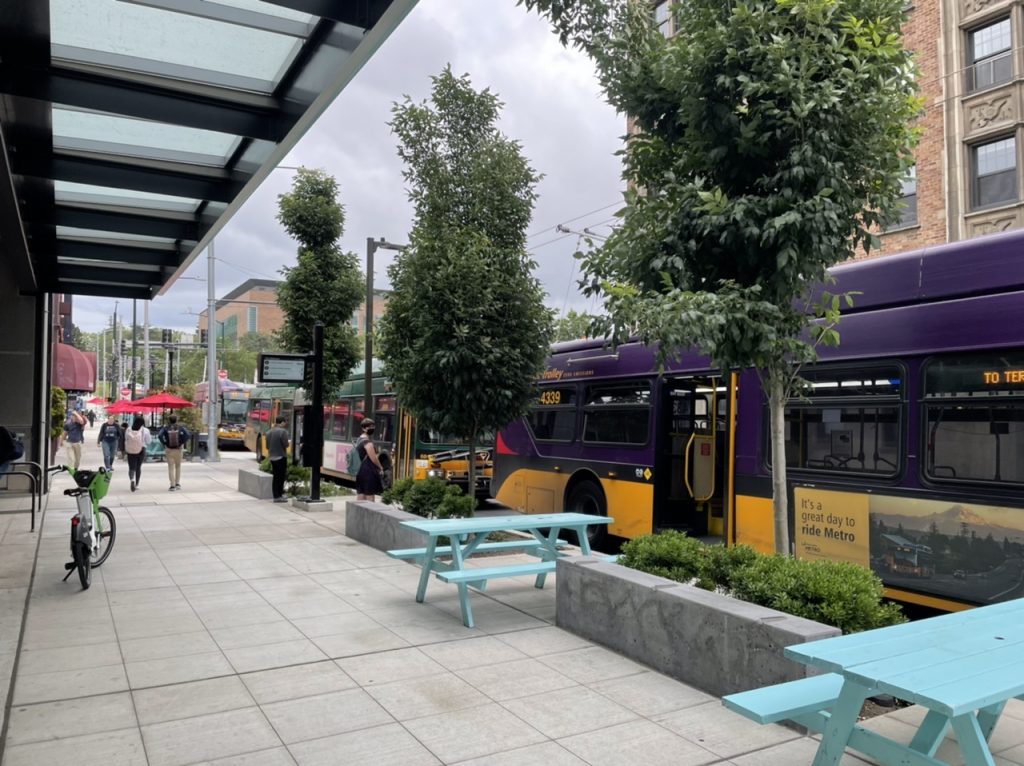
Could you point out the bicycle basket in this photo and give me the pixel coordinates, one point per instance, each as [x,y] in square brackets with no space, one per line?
[101,484]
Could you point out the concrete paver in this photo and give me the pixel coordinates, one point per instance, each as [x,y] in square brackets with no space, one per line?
[226,630]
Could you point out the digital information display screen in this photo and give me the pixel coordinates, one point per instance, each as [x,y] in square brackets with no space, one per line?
[282,368]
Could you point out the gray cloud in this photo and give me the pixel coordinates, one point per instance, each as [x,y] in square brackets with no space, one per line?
[553,107]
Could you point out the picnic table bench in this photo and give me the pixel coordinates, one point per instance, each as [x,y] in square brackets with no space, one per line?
[962,667]
[544,543]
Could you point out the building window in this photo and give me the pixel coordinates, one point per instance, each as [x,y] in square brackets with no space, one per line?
[251,319]
[662,17]
[991,60]
[355,320]
[907,206]
[995,172]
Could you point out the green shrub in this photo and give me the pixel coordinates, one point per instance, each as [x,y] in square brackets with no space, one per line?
[430,498]
[835,593]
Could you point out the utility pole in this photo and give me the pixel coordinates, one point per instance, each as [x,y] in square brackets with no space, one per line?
[211,359]
[135,347]
[372,245]
[145,348]
[99,358]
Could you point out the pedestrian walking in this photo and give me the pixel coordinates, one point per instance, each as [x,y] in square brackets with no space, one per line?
[173,436]
[74,435]
[92,418]
[277,451]
[120,440]
[370,479]
[108,438]
[136,440]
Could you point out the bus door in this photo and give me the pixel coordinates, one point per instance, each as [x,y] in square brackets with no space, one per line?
[691,446]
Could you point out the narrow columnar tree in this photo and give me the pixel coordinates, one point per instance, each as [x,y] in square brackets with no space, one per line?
[465,333]
[771,137]
[325,285]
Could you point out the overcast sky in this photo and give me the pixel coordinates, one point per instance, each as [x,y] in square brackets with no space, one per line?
[553,107]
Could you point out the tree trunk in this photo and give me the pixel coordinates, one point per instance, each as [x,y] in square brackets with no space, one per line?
[471,487]
[780,496]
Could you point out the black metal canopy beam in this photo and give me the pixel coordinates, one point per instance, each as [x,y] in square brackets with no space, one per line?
[127,223]
[68,272]
[357,13]
[104,291]
[146,100]
[96,251]
[158,177]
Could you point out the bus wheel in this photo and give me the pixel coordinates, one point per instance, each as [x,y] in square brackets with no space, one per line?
[587,497]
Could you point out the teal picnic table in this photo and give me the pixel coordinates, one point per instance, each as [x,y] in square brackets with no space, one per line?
[469,536]
[962,668]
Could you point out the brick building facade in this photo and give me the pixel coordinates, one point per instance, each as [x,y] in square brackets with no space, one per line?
[967,178]
[252,307]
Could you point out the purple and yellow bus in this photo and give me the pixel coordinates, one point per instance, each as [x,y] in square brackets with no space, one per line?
[905,453]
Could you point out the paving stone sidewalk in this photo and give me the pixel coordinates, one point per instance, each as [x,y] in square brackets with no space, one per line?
[226,630]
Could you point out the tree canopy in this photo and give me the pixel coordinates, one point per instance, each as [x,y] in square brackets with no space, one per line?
[325,285]
[770,140]
[465,333]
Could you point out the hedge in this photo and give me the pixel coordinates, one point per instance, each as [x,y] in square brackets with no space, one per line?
[845,595]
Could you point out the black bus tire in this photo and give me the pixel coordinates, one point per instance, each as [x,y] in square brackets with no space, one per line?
[107,537]
[587,497]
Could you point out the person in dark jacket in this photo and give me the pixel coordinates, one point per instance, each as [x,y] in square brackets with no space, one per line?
[277,451]
[369,480]
[108,438]
[174,437]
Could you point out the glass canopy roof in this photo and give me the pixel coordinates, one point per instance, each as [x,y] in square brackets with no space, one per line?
[136,128]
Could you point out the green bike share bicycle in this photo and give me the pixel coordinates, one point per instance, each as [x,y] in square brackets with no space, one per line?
[93,528]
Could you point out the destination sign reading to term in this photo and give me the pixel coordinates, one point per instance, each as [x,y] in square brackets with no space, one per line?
[282,368]
[999,377]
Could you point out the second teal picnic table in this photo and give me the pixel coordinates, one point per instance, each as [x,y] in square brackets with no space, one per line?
[544,528]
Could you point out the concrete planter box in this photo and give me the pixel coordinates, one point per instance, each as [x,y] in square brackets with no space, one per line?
[713,642]
[379,526]
[254,482]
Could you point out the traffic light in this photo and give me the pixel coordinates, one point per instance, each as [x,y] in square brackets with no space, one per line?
[202,337]
[166,337]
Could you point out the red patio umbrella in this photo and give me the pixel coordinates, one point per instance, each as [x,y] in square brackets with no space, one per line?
[98,400]
[123,407]
[162,401]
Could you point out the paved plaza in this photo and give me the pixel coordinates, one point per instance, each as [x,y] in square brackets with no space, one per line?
[227,630]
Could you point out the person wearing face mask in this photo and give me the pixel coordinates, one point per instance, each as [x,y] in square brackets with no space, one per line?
[369,480]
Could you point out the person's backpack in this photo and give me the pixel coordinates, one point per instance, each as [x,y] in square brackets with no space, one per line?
[133,441]
[173,437]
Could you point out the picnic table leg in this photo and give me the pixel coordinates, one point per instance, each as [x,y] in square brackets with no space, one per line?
[988,717]
[836,735]
[548,553]
[972,740]
[426,569]
[459,565]
[929,733]
[584,541]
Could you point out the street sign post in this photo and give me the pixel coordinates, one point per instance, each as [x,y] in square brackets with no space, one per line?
[126,392]
[222,374]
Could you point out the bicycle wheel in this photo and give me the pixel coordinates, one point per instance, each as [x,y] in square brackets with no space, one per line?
[84,564]
[106,531]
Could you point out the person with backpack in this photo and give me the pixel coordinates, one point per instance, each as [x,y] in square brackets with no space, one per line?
[136,440]
[277,451]
[74,435]
[108,438]
[174,437]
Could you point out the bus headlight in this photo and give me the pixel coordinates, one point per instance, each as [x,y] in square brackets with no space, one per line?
[435,473]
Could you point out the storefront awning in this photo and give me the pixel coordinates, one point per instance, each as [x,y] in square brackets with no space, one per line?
[132,130]
[72,370]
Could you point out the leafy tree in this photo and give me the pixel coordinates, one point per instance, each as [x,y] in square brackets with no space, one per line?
[465,332]
[325,285]
[771,137]
[573,326]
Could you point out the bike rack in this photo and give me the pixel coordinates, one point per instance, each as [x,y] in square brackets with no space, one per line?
[35,489]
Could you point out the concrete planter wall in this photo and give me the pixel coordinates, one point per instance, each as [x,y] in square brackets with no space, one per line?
[379,526]
[716,643]
[254,482]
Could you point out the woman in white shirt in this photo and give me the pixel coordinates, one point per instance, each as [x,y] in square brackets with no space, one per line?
[136,440]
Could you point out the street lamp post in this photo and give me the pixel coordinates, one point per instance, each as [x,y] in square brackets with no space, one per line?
[372,245]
